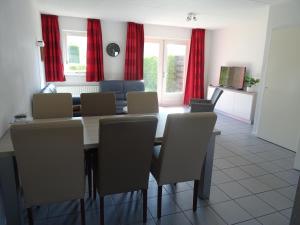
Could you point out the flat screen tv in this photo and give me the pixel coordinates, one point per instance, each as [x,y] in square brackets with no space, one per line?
[232,77]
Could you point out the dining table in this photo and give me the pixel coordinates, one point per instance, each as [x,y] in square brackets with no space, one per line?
[10,196]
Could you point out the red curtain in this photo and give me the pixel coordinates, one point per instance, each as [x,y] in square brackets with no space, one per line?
[194,87]
[94,55]
[134,56]
[54,67]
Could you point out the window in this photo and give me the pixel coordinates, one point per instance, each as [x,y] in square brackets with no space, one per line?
[75,44]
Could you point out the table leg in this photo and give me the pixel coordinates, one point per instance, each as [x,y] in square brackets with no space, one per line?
[206,173]
[295,219]
[8,191]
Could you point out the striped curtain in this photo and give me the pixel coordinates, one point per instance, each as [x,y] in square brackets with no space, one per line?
[134,56]
[54,67]
[94,55]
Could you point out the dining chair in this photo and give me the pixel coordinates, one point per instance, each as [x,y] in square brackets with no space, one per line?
[181,154]
[50,162]
[52,105]
[98,104]
[124,156]
[206,105]
[139,102]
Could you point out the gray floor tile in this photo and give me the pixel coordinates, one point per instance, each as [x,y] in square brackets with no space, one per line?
[234,190]
[231,212]
[222,164]
[168,206]
[254,206]
[270,167]
[272,181]
[290,176]
[183,186]
[287,213]
[218,177]
[273,219]
[184,200]
[249,222]
[254,170]
[276,200]
[289,192]
[285,163]
[238,161]
[216,195]
[236,173]
[175,219]
[254,185]
[204,216]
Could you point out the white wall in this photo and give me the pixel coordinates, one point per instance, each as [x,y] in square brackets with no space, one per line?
[241,45]
[19,58]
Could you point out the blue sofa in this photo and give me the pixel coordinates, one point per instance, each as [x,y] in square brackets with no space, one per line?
[120,88]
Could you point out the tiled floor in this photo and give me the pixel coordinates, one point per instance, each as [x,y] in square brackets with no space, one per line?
[253,183]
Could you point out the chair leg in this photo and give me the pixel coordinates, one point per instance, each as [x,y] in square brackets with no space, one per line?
[89,173]
[82,211]
[94,175]
[159,195]
[145,205]
[101,210]
[30,216]
[195,196]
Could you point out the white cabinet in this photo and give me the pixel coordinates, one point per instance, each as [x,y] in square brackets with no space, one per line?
[234,103]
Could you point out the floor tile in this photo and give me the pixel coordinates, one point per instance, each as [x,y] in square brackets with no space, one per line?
[254,170]
[218,177]
[273,219]
[290,176]
[183,186]
[276,200]
[272,181]
[254,185]
[249,222]
[184,200]
[168,206]
[216,195]
[287,213]
[254,206]
[231,212]
[204,216]
[234,190]
[289,192]
[238,161]
[270,167]
[222,164]
[236,173]
[175,219]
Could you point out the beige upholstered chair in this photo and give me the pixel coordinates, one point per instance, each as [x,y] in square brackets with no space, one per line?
[98,104]
[139,102]
[205,105]
[52,105]
[50,161]
[123,164]
[181,155]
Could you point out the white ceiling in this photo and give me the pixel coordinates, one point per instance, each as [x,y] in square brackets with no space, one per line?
[211,13]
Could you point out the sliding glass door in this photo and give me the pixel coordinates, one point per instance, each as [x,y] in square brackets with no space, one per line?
[165,69]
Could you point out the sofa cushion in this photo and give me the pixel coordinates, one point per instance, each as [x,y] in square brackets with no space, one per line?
[133,85]
[115,86]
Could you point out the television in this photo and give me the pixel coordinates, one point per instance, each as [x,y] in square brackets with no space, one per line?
[232,77]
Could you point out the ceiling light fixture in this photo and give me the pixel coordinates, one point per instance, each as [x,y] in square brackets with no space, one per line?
[191,17]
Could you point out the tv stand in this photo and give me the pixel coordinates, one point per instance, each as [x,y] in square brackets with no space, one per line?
[238,104]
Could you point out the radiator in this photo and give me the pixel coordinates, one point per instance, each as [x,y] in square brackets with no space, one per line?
[77,90]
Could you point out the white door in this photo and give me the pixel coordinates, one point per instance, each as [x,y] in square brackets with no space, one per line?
[165,64]
[280,115]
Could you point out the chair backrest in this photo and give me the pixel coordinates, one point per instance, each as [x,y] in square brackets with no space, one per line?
[142,102]
[52,105]
[133,85]
[98,104]
[50,160]
[184,146]
[216,95]
[125,153]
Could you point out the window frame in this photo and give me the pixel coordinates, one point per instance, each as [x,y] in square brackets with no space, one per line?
[65,34]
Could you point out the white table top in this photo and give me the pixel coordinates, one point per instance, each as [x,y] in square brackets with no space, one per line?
[90,126]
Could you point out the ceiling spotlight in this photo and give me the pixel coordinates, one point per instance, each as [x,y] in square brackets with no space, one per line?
[191,17]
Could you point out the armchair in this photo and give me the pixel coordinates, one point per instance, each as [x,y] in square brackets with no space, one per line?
[206,105]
